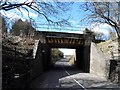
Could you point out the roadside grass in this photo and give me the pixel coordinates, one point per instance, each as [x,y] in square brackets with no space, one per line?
[104,46]
[71,60]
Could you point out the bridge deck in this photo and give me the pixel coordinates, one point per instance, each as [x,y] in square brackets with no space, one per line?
[61,34]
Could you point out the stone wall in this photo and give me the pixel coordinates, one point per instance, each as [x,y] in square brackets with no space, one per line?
[37,63]
[35,48]
[42,61]
[99,65]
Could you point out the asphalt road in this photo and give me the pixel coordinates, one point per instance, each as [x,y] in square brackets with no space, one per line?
[51,78]
[63,75]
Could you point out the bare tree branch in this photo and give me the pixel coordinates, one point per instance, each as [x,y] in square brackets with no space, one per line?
[43,8]
[103,12]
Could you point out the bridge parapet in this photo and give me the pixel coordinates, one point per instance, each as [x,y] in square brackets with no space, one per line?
[59,34]
[89,38]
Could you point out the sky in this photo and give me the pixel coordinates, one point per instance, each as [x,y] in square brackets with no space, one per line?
[67,51]
[75,13]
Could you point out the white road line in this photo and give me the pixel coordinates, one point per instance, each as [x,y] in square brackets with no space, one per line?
[76,81]
[67,73]
[79,84]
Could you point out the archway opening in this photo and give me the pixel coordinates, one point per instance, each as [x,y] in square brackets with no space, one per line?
[67,54]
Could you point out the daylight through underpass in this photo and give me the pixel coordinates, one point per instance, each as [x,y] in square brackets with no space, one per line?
[59,53]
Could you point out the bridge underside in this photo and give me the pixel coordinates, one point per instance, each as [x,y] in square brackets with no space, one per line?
[55,42]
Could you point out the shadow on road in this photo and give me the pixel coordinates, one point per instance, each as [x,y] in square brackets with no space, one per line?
[63,75]
[50,79]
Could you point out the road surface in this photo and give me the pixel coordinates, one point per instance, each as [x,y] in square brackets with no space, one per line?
[63,75]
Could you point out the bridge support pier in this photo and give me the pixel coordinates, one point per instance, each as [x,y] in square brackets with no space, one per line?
[83,58]
[37,63]
[79,57]
[83,53]
[42,60]
[46,56]
[86,58]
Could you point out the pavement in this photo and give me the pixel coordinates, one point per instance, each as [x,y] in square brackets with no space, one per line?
[63,75]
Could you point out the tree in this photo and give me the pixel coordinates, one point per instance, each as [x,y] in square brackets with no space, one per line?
[4,26]
[103,12]
[112,35]
[56,53]
[48,10]
[19,27]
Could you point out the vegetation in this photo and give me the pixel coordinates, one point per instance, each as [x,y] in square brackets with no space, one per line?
[112,35]
[4,25]
[14,62]
[56,54]
[103,12]
[15,51]
[21,27]
[71,60]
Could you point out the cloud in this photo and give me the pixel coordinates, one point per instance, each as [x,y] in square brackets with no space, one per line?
[104,28]
[16,14]
[12,15]
[73,22]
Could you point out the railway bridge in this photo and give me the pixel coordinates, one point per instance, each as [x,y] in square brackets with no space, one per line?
[44,41]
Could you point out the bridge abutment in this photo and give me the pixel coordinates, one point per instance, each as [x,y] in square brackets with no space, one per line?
[46,56]
[37,63]
[41,60]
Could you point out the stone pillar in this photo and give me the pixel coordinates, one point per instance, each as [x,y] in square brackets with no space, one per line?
[89,37]
[79,58]
[46,56]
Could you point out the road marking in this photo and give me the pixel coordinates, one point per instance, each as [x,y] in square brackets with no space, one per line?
[76,81]
[79,84]
[67,72]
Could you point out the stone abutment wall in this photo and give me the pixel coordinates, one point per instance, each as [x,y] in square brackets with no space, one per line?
[99,64]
